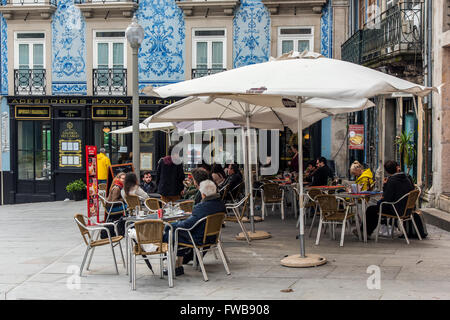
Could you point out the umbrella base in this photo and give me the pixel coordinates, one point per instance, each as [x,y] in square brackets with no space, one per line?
[257,235]
[310,260]
[255,219]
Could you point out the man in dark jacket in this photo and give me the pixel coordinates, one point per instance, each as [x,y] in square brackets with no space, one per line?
[233,179]
[322,173]
[210,204]
[396,185]
[147,184]
[169,178]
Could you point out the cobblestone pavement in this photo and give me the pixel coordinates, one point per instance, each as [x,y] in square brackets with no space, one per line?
[41,246]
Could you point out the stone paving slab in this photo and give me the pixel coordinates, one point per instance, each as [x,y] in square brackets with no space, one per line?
[41,246]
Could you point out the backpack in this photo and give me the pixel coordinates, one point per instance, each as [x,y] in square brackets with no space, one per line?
[421,226]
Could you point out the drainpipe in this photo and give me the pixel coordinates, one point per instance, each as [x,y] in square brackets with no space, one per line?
[429,79]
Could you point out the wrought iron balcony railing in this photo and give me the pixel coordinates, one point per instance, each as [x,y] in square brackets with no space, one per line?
[29,82]
[110,81]
[28,2]
[103,1]
[396,30]
[198,73]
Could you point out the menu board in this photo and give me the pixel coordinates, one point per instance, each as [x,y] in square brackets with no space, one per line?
[356,137]
[114,170]
[70,146]
[92,182]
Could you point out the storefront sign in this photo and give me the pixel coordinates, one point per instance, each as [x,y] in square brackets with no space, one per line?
[144,114]
[109,113]
[5,132]
[32,113]
[69,113]
[92,182]
[356,137]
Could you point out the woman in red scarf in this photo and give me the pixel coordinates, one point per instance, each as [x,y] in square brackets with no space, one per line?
[114,192]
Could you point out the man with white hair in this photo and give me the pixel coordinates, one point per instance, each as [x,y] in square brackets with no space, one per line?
[211,203]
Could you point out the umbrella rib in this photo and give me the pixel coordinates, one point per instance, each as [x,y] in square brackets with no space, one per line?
[276,114]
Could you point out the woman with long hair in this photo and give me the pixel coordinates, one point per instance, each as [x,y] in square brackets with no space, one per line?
[115,193]
[131,187]
[218,174]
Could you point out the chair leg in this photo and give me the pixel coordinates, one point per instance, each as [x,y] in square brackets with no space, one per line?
[202,266]
[133,258]
[90,258]
[415,227]
[343,233]
[358,227]
[402,227]
[84,260]
[222,255]
[121,253]
[161,267]
[377,230]
[263,210]
[114,256]
[169,268]
[215,254]
[312,224]
[282,210]
[318,232]
[244,231]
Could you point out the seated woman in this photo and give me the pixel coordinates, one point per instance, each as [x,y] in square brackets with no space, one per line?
[210,204]
[218,174]
[115,194]
[363,177]
[131,187]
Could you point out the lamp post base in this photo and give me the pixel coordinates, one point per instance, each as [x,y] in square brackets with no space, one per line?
[310,260]
[257,235]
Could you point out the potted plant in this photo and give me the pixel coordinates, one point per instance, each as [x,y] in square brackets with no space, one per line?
[77,188]
[407,149]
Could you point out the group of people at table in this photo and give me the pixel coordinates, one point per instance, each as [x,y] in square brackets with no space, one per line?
[206,183]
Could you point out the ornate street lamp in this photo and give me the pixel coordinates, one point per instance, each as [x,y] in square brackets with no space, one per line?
[135,36]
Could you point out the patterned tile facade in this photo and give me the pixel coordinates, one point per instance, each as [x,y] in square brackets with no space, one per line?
[4,57]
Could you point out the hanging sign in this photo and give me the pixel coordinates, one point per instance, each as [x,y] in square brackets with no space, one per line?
[92,182]
[356,137]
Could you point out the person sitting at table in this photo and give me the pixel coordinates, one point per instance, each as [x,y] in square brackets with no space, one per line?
[147,184]
[396,185]
[233,179]
[218,174]
[310,168]
[363,177]
[323,172]
[169,178]
[210,204]
[114,194]
[131,187]
[198,175]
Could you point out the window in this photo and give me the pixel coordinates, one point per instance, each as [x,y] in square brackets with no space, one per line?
[29,61]
[295,39]
[209,50]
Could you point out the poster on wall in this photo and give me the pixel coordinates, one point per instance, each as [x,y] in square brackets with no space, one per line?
[92,183]
[356,137]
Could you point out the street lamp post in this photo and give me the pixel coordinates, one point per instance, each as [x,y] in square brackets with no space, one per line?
[135,36]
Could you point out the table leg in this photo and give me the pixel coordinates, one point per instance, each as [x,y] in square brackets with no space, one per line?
[363,215]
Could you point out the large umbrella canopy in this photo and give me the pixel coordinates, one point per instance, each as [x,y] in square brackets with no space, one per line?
[202,108]
[162,126]
[167,127]
[295,75]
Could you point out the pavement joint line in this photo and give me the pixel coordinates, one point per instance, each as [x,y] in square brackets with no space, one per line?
[41,271]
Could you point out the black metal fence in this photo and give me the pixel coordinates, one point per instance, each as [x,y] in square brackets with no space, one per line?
[29,82]
[198,73]
[28,2]
[103,1]
[110,81]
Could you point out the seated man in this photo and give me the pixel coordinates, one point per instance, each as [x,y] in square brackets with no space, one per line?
[322,173]
[233,179]
[210,204]
[147,184]
[396,185]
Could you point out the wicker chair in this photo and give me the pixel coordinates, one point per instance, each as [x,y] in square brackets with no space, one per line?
[237,191]
[412,197]
[102,189]
[331,213]
[108,206]
[312,205]
[133,202]
[213,228]
[273,194]
[154,204]
[239,215]
[187,206]
[151,232]
[87,232]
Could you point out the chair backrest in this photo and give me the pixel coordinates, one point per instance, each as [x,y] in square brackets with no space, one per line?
[132,201]
[153,203]
[272,192]
[225,192]
[102,186]
[328,204]
[149,232]
[187,205]
[244,207]
[238,190]
[213,226]
[313,193]
[411,202]
[79,219]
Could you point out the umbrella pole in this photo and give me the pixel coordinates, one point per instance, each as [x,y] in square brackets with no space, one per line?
[301,260]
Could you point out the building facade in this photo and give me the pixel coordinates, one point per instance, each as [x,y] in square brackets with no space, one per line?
[64,75]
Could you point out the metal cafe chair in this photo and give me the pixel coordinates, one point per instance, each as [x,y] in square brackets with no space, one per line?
[133,203]
[238,215]
[102,189]
[187,206]
[154,204]
[331,213]
[87,232]
[150,232]
[213,228]
[105,203]
[273,194]
[407,214]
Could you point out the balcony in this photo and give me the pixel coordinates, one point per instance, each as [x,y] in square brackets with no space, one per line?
[208,8]
[198,73]
[110,82]
[396,33]
[107,8]
[29,82]
[27,9]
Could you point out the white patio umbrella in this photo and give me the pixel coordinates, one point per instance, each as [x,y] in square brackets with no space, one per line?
[167,127]
[298,78]
[253,116]
[161,126]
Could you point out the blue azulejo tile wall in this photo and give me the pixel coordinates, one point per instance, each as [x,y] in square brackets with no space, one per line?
[251,34]
[162,53]
[68,50]
[4,57]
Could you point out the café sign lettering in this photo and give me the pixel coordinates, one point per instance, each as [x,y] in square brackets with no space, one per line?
[109,112]
[70,101]
[28,112]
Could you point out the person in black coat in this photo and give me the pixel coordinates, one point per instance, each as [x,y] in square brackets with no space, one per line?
[169,178]
[322,173]
[234,179]
[396,185]
[147,184]
[210,204]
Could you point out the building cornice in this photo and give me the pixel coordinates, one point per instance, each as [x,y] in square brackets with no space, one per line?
[27,12]
[208,8]
[107,9]
[294,6]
